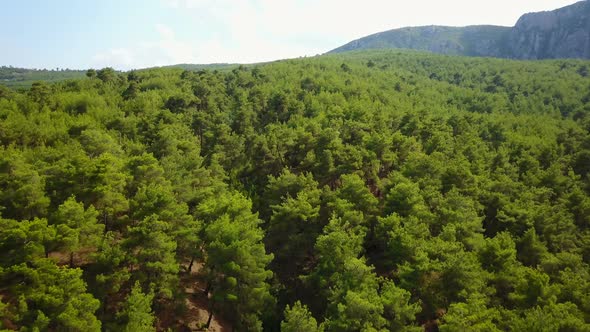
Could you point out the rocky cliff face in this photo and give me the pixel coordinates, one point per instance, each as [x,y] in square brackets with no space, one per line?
[562,33]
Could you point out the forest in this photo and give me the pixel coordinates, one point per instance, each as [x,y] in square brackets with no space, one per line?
[362,191]
[23,78]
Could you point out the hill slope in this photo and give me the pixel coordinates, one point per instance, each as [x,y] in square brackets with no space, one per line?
[23,78]
[562,33]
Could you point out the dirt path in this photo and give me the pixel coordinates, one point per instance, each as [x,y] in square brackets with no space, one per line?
[197,304]
[81,257]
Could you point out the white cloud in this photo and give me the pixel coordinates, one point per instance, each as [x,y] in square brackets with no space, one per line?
[118,58]
[165,31]
[166,50]
[245,46]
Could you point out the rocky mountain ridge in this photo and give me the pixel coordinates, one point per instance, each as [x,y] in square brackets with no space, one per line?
[561,33]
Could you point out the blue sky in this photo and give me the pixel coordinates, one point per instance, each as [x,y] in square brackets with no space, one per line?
[128,34]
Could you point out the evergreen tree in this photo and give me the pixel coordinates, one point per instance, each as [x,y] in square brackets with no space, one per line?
[137,314]
[77,228]
[299,319]
[237,272]
[152,251]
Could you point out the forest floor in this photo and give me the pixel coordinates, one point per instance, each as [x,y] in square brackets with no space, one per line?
[81,257]
[197,304]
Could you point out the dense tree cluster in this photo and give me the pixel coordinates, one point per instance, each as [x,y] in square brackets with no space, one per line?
[24,78]
[370,191]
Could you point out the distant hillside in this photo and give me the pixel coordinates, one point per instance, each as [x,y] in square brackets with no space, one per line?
[23,78]
[473,40]
[211,66]
[17,78]
[562,33]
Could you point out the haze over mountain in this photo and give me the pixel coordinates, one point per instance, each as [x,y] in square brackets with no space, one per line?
[561,33]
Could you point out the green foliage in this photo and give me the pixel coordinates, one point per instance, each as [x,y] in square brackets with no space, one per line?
[152,250]
[106,75]
[137,312]
[385,190]
[77,228]
[398,310]
[24,78]
[299,319]
[472,315]
[24,241]
[23,188]
[50,296]
[236,264]
[293,224]
[552,317]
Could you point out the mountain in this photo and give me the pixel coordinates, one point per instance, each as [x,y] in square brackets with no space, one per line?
[481,40]
[561,33]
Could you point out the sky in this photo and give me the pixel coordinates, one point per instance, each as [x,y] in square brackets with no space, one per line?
[128,34]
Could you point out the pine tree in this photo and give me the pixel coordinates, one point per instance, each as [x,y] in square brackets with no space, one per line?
[137,314]
[236,264]
[77,227]
[299,319]
[151,253]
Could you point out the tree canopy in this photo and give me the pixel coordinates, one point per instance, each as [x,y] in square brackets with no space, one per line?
[364,191]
